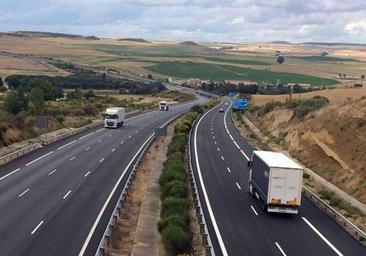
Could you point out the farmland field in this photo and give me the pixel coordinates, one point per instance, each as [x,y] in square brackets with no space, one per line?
[223,72]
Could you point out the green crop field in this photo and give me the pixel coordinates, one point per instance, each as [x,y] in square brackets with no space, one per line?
[225,72]
[326,58]
[237,61]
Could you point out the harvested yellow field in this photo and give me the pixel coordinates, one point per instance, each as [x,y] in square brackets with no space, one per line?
[337,95]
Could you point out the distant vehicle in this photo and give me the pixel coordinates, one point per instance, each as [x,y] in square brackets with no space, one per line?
[226,104]
[114,117]
[163,106]
[276,181]
[221,110]
[240,104]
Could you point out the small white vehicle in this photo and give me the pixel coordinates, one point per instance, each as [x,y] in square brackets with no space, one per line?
[221,110]
[163,106]
[276,181]
[114,117]
[226,104]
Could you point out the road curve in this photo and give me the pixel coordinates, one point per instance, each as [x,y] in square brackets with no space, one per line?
[235,223]
[50,198]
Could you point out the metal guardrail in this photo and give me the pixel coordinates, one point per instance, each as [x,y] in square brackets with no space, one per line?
[199,212]
[338,217]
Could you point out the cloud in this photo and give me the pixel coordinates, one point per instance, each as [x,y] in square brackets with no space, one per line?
[213,20]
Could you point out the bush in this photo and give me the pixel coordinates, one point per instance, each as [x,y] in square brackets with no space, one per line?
[169,175]
[178,143]
[325,194]
[60,119]
[172,206]
[177,238]
[175,188]
[268,107]
[310,105]
[198,109]
[180,220]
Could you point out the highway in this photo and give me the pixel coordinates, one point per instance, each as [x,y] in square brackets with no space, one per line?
[235,222]
[54,200]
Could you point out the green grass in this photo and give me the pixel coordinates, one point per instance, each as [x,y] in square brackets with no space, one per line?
[223,72]
[237,61]
[326,58]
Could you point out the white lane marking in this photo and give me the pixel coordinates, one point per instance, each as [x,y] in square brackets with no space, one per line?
[137,132]
[72,158]
[122,142]
[10,173]
[231,137]
[279,248]
[218,149]
[86,174]
[255,212]
[113,149]
[228,169]
[129,137]
[237,184]
[83,137]
[68,144]
[241,151]
[99,129]
[213,137]
[87,240]
[23,193]
[52,172]
[87,148]
[236,144]
[101,160]
[110,135]
[35,229]
[67,194]
[99,141]
[222,158]
[322,237]
[39,158]
[215,142]
[209,208]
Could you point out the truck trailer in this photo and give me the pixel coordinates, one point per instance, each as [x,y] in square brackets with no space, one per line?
[163,106]
[114,117]
[275,181]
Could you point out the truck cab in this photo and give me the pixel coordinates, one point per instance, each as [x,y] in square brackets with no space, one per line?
[114,117]
[163,106]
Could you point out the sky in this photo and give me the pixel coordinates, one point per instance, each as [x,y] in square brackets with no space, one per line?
[198,20]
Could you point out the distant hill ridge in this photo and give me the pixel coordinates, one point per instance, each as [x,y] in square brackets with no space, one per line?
[138,40]
[189,43]
[47,34]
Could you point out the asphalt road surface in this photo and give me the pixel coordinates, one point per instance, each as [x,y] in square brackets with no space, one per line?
[236,224]
[53,200]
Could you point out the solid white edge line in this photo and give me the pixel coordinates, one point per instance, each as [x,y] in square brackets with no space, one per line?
[83,137]
[24,192]
[241,151]
[39,158]
[209,208]
[67,144]
[279,248]
[36,228]
[322,237]
[236,144]
[67,194]
[10,173]
[255,212]
[237,184]
[87,240]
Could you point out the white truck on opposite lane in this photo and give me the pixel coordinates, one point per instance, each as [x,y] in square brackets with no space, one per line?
[163,106]
[276,181]
[114,117]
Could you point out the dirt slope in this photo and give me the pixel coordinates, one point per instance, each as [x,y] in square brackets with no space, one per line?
[331,141]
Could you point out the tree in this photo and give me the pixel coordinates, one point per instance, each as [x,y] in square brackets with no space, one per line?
[50,92]
[150,76]
[280,59]
[36,100]
[362,79]
[15,102]
[89,94]
[1,82]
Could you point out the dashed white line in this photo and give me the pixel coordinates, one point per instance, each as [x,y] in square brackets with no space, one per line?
[122,142]
[36,228]
[215,142]
[218,149]
[110,135]
[52,172]
[237,184]
[86,174]
[24,192]
[101,160]
[113,149]
[39,158]
[68,144]
[222,158]
[10,173]
[255,212]
[67,194]
[279,248]
[228,169]
[87,148]
[99,141]
[129,137]
[322,237]
[137,132]
[72,158]
[213,137]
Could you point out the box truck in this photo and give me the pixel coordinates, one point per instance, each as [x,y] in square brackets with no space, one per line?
[163,106]
[114,117]
[276,181]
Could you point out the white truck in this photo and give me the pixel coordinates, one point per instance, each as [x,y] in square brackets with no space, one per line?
[276,181]
[114,117]
[163,106]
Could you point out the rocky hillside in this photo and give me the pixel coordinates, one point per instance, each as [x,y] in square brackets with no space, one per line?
[331,141]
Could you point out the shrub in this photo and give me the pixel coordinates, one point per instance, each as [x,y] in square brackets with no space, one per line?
[178,143]
[172,206]
[171,175]
[268,107]
[60,119]
[180,220]
[325,194]
[310,105]
[177,238]
[198,109]
[175,188]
